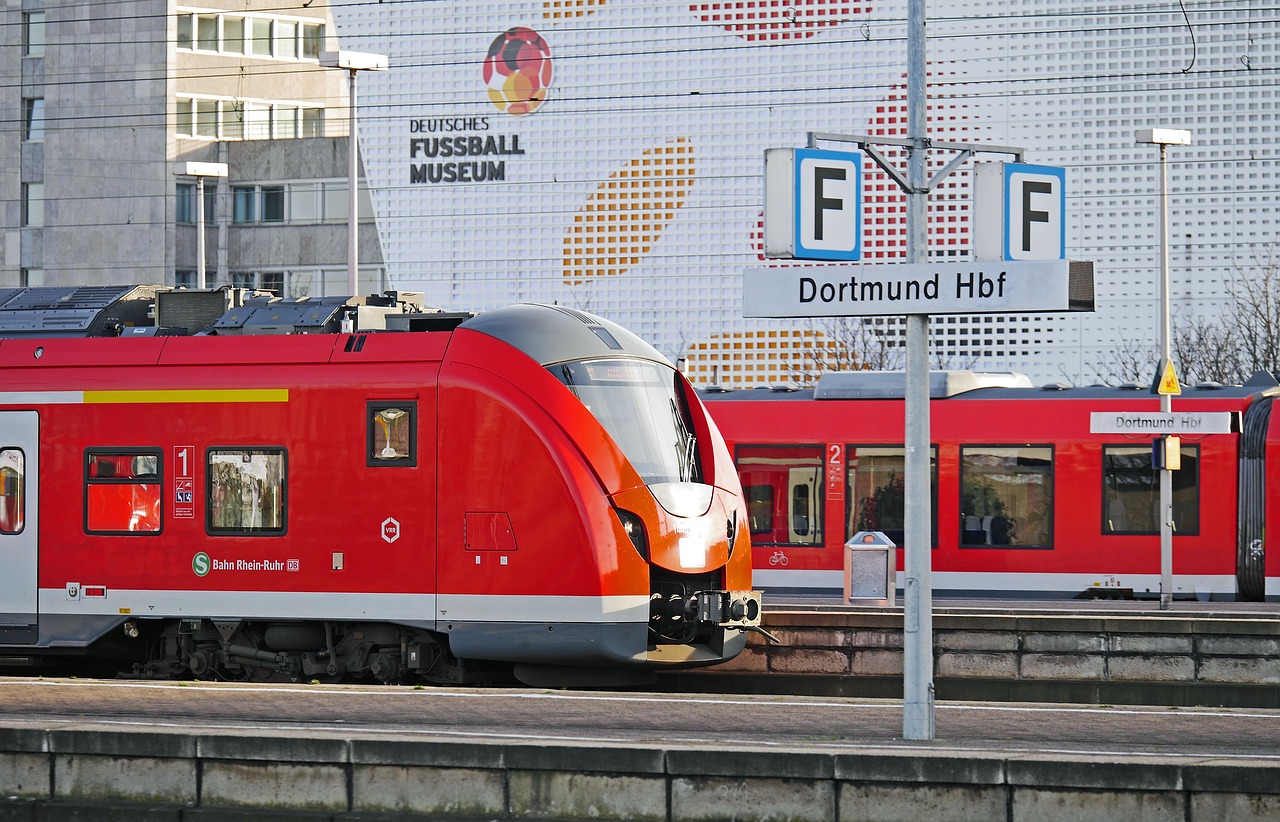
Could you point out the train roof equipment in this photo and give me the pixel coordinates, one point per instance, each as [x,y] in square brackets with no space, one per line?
[150,310]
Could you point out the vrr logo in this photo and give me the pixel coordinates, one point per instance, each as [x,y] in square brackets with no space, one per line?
[391,529]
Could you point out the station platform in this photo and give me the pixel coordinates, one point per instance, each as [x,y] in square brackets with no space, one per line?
[1128,652]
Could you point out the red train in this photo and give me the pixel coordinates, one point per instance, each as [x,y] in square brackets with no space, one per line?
[1027,502]
[332,488]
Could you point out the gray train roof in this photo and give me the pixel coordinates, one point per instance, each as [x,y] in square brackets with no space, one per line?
[555,333]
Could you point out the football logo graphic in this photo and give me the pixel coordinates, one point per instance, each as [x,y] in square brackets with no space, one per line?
[517,71]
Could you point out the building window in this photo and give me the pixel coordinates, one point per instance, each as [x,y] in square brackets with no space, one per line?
[1131,491]
[277,38]
[184,110]
[185,202]
[207,32]
[247,491]
[284,122]
[232,34]
[286,39]
[273,204]
[33,119]
[231,119]
[13,494]
[242,199]
[33,33]
[257,121]
[207,119]
[31,277]
[33,204]
[260,44]
[183,278]
[1006,496]
[312,122]
[312,40]
[122,491]
[185,211]
[271,281]
[304,203]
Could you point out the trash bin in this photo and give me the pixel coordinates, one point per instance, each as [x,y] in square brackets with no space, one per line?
[870,569]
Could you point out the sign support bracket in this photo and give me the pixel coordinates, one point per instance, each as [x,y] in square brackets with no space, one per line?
[867,144]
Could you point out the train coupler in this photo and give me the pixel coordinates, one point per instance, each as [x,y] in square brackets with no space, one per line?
[729,609]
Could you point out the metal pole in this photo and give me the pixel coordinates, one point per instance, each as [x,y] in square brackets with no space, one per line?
[353,242]
[199,231]
[917,680]
[1166,400]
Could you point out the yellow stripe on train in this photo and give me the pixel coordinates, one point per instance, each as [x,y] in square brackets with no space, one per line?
[233,395]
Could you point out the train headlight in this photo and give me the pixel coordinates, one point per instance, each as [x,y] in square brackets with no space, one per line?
[683,499]
[634,527]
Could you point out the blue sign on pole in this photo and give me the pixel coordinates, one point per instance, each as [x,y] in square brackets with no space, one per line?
[828,190]
[1035,206]
[813,204]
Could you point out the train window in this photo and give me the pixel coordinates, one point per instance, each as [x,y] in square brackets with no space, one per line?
[247,491]
[785,493]
[1006,496]
[12,490]
[391,433]
[875,491]
[759,508]
[122,491]
[642,406]
[1131,491]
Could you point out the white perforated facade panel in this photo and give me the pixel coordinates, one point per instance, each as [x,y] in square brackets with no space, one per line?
[609,155]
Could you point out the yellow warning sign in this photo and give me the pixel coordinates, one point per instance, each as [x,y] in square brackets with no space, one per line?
[1168,381]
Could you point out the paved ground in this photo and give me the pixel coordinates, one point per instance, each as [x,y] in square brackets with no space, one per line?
[736,722]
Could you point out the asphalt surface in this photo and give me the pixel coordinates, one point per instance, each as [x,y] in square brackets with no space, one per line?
[756,723]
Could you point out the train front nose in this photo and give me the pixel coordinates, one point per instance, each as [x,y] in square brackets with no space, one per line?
[695,541]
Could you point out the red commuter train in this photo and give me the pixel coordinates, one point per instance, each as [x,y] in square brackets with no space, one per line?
[1027,502]
[198,484]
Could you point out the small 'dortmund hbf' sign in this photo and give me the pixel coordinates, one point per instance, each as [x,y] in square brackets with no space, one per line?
[1159,423]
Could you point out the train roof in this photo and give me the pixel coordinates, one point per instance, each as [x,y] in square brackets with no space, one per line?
[547,333]
[161,311]
[961,385]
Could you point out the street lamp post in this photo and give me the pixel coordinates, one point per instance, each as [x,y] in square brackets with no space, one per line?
[1165,137]
[354,62]
[200,171]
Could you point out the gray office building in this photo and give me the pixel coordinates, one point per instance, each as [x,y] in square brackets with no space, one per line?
[109,101]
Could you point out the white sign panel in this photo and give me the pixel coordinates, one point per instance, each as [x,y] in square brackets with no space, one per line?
[1031,201]
[907,288]
[813,204]
[1160,423]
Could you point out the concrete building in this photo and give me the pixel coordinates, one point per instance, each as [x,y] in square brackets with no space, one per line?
[111,97]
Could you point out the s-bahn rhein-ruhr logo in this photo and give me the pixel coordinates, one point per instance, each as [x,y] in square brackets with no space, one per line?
[518,71]
[202,564]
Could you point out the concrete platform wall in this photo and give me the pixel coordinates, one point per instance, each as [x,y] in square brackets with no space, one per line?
[105,775]
[1114,659]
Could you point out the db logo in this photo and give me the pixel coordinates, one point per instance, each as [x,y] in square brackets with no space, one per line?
[391,529]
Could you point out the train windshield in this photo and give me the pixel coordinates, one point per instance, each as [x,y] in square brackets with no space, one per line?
[638,404]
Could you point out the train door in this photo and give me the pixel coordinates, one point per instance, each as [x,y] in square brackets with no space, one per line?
[19,503]
[804,501]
